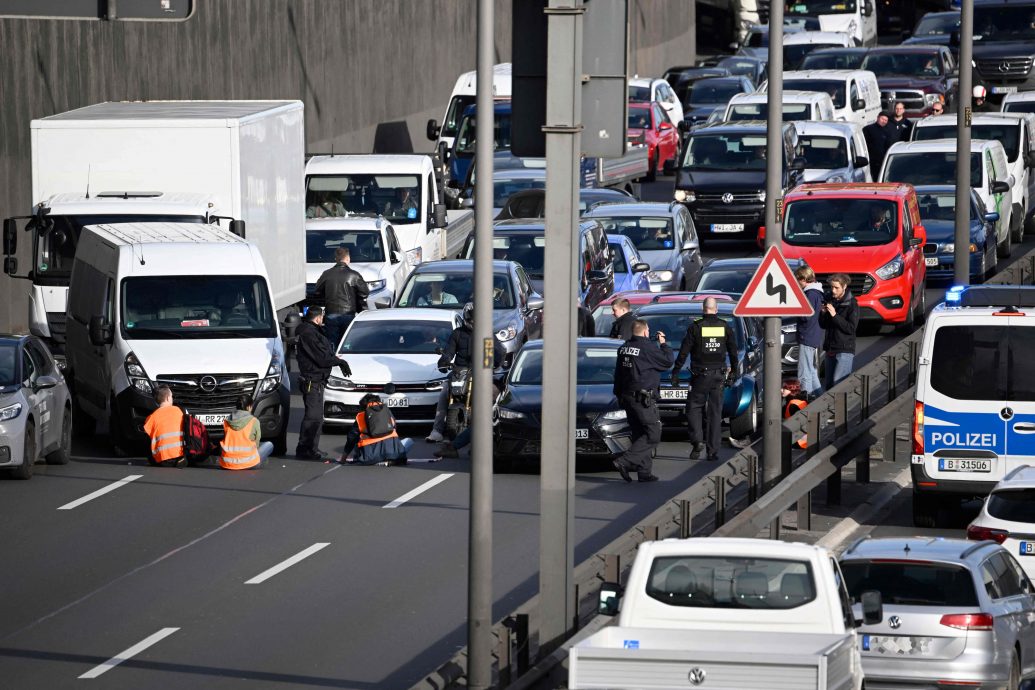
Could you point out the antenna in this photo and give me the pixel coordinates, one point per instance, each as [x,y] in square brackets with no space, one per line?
[88,180]
[332,148]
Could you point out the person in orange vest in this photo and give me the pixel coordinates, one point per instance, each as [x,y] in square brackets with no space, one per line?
[373,436]
[240,448]
[165,427]
[794,400]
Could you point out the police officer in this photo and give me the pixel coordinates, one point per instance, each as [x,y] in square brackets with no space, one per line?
[622,326]
[708,341]
[315,360]
[344,292]
[637,380]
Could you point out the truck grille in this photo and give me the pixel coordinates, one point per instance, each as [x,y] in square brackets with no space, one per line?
[1004,68]
[57,322]
[859,283]
[738,198]
[208,392]
[399,387]
[911,98]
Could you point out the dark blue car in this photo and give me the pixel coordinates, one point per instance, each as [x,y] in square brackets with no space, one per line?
[462,153]
[938,212]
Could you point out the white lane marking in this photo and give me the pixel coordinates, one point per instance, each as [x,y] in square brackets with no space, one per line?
[301,555]
[431,483]
[100,492]
[129,653]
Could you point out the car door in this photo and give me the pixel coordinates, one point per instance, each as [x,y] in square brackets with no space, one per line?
[1020,391]
[533,317]
[1012,605]
[912,253]
[1024,600]
[39,400]
[52,399]
[92,295]
[689,248]
[397,260]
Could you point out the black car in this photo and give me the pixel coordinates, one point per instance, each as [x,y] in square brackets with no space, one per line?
[834,58]
[936,28]
[755,69]
[601,429]
[709,95]
[722,177]
[1004,45]
[689,77]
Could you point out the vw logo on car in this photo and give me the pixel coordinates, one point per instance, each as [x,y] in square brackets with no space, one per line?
[696,675]
[895,622]
[727,198]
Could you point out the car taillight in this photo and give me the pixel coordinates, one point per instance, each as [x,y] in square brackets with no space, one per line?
[977,533]
[918,428]
[968,621]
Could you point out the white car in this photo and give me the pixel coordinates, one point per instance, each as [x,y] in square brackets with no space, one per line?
[374,252]
[391,346]
[646,89]
[1008,517]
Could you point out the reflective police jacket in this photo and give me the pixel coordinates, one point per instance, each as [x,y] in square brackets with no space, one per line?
[639,365]
[708,341]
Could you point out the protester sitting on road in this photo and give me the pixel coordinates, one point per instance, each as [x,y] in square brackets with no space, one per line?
[165,427]
[373,436]
[242,447]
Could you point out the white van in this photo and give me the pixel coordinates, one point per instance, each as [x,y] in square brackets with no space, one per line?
[1020,102]
[934,162]
[854,92]
[184,305]
[853,17]
[464,92]
[1015,132]
[798,44]
[797,105]
[974,415]
[833,152]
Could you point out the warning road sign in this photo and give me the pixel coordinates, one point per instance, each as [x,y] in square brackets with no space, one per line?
[773,291]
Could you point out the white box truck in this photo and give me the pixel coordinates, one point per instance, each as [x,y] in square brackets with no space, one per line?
[164,161]
[189,306]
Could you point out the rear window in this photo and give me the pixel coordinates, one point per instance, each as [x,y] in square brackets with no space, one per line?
[1015,505]
[911,583]
[731,582]
[984,363]
[930,167]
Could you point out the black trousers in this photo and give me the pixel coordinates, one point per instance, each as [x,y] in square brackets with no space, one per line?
[312,420]
[704,408]
[645,431]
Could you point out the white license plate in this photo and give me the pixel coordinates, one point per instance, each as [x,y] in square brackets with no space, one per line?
[1004,89]
[212,419]
[964,465]
[931,260]
[727,227]
[897,645]
[674,394]
[581,434]
[1027,548]
[397,402]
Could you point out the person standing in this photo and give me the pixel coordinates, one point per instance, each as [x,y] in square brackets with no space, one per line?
[637,383]
[839,318]
[242,447]
[165,428]
[878,140]
[900,125]
[587,326]
[709,342]
[343,292]
[622,326]
[315,361]
[809,334]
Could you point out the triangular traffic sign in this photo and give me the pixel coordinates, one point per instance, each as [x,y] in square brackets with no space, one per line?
[773,290]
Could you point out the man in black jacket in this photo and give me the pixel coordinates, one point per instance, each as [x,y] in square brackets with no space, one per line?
[343,292]
[879,138]
[623,324]
[315,358]
[637,383]
[839,318]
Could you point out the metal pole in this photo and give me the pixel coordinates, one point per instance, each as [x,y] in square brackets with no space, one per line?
[557,478]
[479,572]
[772,422]
[962,236]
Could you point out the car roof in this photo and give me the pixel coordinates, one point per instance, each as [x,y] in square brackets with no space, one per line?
[840,50]
[731,79]
[632,209]
[876,189]
[823,73]
[747,262]
[14,337]
[918,549]
[644,81]
[407,314]
[818,128]
[806,37]
[690,306]
[595,341]
[533,225]
[789,96]
[460,266]
[939,146]
[915,48]
[1021,478]
[749,126]
[996,118]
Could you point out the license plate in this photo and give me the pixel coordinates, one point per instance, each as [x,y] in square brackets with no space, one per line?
[1027,548]
[1004,89]
[964,465]
[581,434]
[212,419]
[897,645]
[397,402]
[727,227]
[674,394]
[931,260]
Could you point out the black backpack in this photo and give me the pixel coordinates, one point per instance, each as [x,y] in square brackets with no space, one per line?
[379,418]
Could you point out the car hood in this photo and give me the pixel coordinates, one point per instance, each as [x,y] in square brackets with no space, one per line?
[369,271]
[936,40]
[822,174]
[231,356]
[848,23]
[397,368]
[892,83]
[844,258]
[984,50]
[703,112]
[660,259]
[720,181]
[941,231]
[588,398]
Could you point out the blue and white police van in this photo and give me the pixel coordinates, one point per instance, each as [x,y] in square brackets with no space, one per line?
[974,418]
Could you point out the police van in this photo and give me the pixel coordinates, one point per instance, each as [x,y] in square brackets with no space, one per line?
[974,416]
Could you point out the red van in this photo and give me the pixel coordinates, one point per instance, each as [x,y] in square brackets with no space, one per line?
[871,232]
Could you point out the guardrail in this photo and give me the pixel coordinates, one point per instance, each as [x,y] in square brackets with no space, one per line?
[866,408]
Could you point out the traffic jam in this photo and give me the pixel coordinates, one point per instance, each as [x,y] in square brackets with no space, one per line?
[353,286]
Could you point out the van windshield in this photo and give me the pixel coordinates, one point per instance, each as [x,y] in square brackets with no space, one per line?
[1008,133]
[795,54]
[984,363]
[818,7]
[1001,22]
[396,197]
[455,113]
[731,582]
[733,151]
[836,88]
[824,153]
[364,246]
[930,167]
[841,222]
[501,139]
[1020,107]
[831,59]
[760,111]
[196,307]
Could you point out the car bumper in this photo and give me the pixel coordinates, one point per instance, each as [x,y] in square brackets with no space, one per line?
[946,267]
[964,488]
[887,301]
[752,217]
[674,410]
[972,666]
[12,441]
[522,441]
[340,407]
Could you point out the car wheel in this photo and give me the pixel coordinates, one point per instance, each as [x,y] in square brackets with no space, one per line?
[29,456]
[63,453]
[925,510]
[906,327]
[502,464]
[280,442]
[745,424]
[1018,216]
[1003,250]
[1015,673]
[652,170]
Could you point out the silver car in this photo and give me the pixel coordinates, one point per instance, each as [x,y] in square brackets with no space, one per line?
[956,613]
[35,407]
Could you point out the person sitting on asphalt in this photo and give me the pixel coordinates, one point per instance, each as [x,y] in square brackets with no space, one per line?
[242,447]
[373,436]
[165,427]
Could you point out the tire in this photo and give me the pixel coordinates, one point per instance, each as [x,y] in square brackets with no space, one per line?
[925,510]
[652,171]
[745,424]
[63,453]
[29,458]
[456,421]
[1003,250]
[909,324]
[1015,673]
[1017,215]
[280,442]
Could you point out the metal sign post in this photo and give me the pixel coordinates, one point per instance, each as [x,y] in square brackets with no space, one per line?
[961,252]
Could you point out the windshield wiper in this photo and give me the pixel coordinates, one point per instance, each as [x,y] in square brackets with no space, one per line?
[160,332]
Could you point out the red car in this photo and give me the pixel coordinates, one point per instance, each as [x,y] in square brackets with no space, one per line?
[872,233]
[650,126]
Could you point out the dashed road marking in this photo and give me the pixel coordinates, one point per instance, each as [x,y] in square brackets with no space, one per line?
[284,565]
[100,492]
[431,483]
[129,653]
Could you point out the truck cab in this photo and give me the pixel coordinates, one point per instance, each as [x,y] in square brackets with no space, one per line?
[464,94]
[854,17]
[461,155]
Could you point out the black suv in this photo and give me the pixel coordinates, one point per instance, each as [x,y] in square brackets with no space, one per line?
[721,177]
[1004,45]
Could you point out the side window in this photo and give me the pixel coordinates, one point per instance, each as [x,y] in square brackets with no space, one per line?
[1009,583]
[990,580]
[524,287]
[907,226]
[853,95]
[429,211]
[1022,579]
[29,369]
[659,115]
[393,241]
[990,168]
[40,357]
[109,302]
[691,231]
[842,595]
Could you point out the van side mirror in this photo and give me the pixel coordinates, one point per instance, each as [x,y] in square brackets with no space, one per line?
[535,302]
[867,8]
[610,596]
[992,217]
[100,331]
[438,213]
[432,130]
[383,302]
[1000,187]
[44,382]
[10,237]
[640,267]
[237,227]
[798,164]
[596,276]
[689,246]
[10,266]
[919,236]
[861,161]
[859,104]
[873,607]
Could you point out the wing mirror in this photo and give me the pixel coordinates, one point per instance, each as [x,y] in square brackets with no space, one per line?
[610,597]
[100,331]
[861,161]
[859,104]
[432,130]
[467,202]
[919,236]
[10,237]
[383,302]
[689,246]
[535,302]
[396,257]
[438,215]
[44,382]
[640,267]
[1000,187]
[798,164]
[596,276]
[992,217]
[873,608]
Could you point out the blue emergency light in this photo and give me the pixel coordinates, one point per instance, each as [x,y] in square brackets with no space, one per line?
[954,295]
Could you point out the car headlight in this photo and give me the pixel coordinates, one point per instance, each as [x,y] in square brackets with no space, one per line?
[10,412]
[504,413]
[414,256]
[761,196]
[685,195]
[659,276]
[932,98]
[508,333]
[892,269]
[272,380]
[336,383]
[137,376]
[375,285]
[949,247]
[789,328]
[836,178]
[435,384]
[613,416]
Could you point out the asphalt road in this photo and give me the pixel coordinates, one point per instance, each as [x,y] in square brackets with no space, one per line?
[157,570]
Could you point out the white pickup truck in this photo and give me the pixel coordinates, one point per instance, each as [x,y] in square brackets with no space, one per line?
[730,614]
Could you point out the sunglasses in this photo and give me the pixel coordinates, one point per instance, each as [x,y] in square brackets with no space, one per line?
[937,111]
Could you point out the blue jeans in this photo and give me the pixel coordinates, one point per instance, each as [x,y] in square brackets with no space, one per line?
[839,366]
[463,439]
[334,326]
[808,376]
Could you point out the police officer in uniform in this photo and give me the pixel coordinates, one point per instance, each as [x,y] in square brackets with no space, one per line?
[637,380]
[708,341]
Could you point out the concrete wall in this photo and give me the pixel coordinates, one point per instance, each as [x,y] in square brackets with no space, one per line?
[371,72]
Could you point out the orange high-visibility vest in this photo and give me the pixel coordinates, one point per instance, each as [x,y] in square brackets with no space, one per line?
[165,427]
[239,451]
[364,438]
[794,406]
